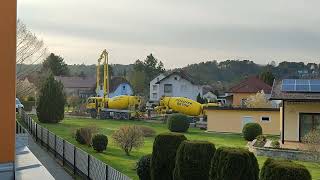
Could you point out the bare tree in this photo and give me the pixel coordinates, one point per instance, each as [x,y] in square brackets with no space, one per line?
[25,88]
[31,51]
[258,100]
[128,137]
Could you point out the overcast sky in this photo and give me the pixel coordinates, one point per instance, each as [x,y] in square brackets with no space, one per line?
[177,32]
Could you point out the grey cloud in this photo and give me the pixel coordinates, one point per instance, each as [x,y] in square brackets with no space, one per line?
[242,26]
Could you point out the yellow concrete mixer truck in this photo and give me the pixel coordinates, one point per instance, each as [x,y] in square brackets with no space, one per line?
[169,105]
[118,107]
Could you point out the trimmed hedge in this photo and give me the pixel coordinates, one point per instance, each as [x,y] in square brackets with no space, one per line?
[193,160]
[283,170]
[164,155]
[251,130]
[143,167]
[99,142]
[234,164]
[178,123]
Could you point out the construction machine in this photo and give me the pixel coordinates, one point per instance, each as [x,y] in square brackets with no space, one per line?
[118,107]
[194,109]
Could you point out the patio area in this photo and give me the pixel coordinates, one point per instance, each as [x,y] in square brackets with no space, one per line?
[33,162]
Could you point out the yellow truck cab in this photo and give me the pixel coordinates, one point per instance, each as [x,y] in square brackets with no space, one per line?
[93,105]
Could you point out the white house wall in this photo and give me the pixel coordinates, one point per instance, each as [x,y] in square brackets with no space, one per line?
[153,82]
[191,91]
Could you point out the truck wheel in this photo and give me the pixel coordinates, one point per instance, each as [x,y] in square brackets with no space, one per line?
[125,116]
[116,115]
[93,114]
[103,115]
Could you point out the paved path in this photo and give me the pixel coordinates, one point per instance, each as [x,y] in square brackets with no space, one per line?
[48,161]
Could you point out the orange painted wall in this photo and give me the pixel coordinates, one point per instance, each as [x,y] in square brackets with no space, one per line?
[7,79]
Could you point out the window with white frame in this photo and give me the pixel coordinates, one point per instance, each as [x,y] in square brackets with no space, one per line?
[265,119]
[168,88]
[154,87]
[154,95]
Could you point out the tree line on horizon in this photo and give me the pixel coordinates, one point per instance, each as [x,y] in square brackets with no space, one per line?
[33,61]
[214,73]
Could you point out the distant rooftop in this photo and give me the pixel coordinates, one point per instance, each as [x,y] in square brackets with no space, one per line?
[182,74]
[77,82]
[116,81]
[251,84]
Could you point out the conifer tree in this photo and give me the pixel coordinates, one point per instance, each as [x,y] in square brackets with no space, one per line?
[51,101]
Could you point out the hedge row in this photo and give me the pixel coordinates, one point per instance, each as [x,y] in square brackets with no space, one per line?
[175,158]
[193,160]
[164,155]
[283,170]
[234,163]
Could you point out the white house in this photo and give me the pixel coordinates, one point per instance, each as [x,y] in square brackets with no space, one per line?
[177,84]
[210,97]
[154,88]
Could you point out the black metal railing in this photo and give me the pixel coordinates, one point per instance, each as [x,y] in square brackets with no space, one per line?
[68,155]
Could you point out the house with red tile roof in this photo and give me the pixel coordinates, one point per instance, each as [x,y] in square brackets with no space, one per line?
[239,93]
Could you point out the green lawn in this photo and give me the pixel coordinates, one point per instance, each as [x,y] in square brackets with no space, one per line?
[126,164]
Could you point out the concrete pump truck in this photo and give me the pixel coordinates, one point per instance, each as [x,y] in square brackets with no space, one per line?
[118,107]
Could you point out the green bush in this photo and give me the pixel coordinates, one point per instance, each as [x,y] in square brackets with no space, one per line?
[283,170]
[143,167]
[251,130]
[261,141]
[193,160]
[275,144]
[178,123]
[164,155]
[234,163]
[28,105]
[99,142]
[84,135]
[51,101]
[31,98]
[79,137]
[128,137]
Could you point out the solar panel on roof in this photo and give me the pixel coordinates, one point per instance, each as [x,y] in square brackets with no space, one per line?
[315,81]
[302,88]
[315,88]
[288,81]
[301,85]
[302,81]
[287,87]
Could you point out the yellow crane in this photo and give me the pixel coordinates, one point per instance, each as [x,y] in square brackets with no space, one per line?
[118,107]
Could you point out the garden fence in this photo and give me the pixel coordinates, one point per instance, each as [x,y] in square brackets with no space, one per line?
[71,157]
